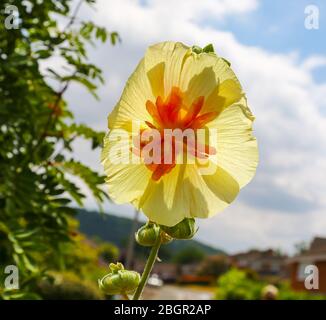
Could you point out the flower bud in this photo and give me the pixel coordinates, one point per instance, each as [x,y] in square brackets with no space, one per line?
[119,280]
[165,238]
[147,235]
[184,230]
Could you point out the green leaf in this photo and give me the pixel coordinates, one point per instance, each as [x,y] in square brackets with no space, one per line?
[92,179]
[114,36]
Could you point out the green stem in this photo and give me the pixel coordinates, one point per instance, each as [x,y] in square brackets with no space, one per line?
[148,268]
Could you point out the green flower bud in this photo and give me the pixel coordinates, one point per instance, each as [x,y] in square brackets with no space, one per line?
[165,238]
[147,235]
[184,230]
[119,280]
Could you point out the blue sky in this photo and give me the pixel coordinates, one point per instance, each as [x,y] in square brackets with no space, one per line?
[282,68]
[278,26]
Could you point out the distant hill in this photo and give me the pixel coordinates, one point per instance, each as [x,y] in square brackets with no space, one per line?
[115,229]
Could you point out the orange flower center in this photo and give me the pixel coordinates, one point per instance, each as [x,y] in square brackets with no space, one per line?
[173,114]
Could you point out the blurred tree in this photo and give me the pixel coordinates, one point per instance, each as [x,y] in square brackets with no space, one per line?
[88,259]
[189,255]
[37,130]
[214,266]
[68,286]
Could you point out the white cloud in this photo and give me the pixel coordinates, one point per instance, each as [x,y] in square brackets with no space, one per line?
[196,10]
[241,227]
[314,62]
[282,93]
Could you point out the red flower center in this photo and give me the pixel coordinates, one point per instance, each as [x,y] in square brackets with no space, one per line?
[173,114]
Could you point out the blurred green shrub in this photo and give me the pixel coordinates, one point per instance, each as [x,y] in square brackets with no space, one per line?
[108,252]
[286,293]
[68,286]
[238,285]
[245,285]
[85,258]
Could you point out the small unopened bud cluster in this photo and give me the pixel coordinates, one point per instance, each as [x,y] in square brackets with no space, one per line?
[184,230]
[207,49]
[119,280]
[148,234]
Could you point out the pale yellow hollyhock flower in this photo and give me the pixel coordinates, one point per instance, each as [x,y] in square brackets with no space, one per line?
[173,87]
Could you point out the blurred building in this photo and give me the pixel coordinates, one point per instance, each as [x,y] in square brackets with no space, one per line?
[314,255]
[264,262]
[172,272]
[189,273]
[168,272]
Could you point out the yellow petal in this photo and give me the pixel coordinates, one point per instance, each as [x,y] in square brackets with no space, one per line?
[126,181]
[209,194]
[163,201]
[185,193]
[169,57]
[156,78]
[210,76]
[131,106]
[224,95]
[237,150]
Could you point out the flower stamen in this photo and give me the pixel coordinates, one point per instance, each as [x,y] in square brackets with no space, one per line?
[173,114]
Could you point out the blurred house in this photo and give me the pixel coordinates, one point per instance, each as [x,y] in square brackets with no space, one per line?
[189,269]
[265,263]
[189,273]
[314,255]
[172,272]
[168,272]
